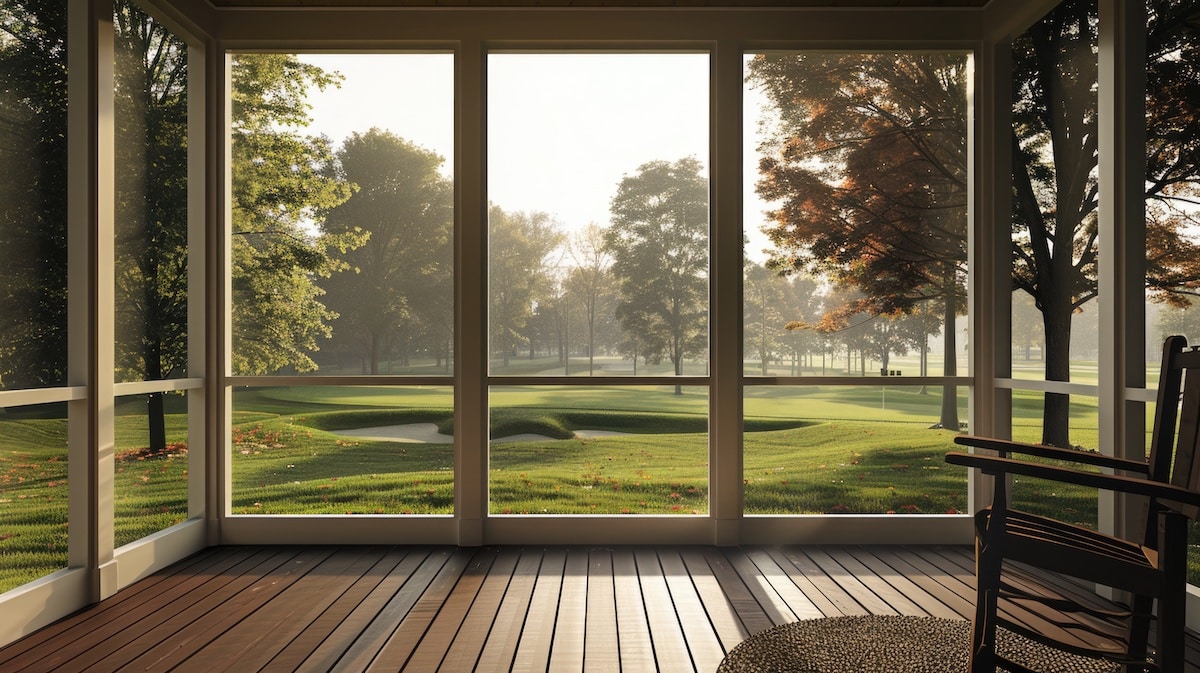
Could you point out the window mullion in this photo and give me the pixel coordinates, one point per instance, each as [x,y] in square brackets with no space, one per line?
[471,320]
[725,290]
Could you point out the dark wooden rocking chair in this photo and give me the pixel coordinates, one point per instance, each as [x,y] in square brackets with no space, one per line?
[1014,550]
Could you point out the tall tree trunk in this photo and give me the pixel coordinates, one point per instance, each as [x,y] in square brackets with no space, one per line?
[1056,319]
[374,353]
[949,415]
[924,361]
[157,421]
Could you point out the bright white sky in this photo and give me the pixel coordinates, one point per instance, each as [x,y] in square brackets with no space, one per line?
[562,129]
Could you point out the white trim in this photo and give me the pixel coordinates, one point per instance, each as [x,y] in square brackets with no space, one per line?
[859,529]
[470,298]
[254,529]
[1064,387]
[21,398]
[888,381]
[339,380]
[725,314]
[42,602]
[152,553]
[156,386]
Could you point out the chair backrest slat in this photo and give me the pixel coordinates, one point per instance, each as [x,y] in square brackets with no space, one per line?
[1186,472]
[1166,410]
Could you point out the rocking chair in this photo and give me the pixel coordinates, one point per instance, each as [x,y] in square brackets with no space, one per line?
[1017,553]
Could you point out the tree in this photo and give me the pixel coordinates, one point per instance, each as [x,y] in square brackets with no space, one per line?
[589,282]
[400,282]
[280,180]
[763,321]
[1055,185]
[1055,236]
[33,212]
[658,240]
[518,274]
[151,244]
[869,170]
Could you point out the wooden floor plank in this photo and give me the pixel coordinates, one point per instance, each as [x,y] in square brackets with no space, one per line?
[881,587]
[718,605]
[110,627]
[191,571]
[951,590]
[412,631]
[833,592]
[566,650]
[602,652]
[505,635]
[322,630]
[930,603]
[371,640]
[537,633]
[362,631]
[263,634]
[799,603]
[852,585]
[702,641]
[467,646]
[776,609]
[633,631]
[421,609]
[431,647]
[170,622]
[824,606]
[741,599]
[670,647]
[196,636]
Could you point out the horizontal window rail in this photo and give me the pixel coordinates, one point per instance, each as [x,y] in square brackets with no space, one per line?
[157,386]
[857,380]
[20,398]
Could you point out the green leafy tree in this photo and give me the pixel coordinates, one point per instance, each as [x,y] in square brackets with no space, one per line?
[658,241]
[519,245]
[869,171]
[763,318]
[151,246]
[400,282]
[281,179]
[33,193]
[590,285]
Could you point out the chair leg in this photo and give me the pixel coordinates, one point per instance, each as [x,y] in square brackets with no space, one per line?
[1172,610]
[983,629]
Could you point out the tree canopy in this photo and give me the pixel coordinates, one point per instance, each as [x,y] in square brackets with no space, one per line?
[33,219]
[869,173]
[281,178]
[399,283]
[658,241]
[868,168]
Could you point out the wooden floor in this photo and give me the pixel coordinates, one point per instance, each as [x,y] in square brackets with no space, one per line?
[485,609]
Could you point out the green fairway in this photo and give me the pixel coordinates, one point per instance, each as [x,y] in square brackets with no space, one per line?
[640,450]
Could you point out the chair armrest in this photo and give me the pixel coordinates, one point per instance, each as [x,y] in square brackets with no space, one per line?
[1054,453]
[1110,482]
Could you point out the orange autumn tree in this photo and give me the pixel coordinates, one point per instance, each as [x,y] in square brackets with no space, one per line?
[868,172]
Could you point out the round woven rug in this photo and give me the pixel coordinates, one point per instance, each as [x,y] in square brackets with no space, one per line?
[887,644]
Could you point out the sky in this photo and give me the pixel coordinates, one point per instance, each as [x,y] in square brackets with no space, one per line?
[563,129]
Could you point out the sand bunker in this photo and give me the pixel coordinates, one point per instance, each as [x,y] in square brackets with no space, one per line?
[427,433]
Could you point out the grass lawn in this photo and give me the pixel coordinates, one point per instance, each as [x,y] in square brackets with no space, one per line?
[807,450]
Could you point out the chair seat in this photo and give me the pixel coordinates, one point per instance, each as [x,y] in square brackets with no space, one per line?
[1061,607]
[1075,551]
